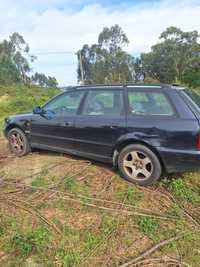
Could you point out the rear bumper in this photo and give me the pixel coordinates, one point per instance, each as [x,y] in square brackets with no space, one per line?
[180,160]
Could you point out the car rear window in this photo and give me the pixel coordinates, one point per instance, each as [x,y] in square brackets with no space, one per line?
[149,103]
[192,99]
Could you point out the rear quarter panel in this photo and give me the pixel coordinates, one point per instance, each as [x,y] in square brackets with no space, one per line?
[171,136]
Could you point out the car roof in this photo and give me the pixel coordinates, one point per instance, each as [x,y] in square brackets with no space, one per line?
[127,85]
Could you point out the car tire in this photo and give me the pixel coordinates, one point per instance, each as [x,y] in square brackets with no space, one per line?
[18,142]
[138,164]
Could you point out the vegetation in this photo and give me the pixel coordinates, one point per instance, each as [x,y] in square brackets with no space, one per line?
[20,98]
[15,62]
[174,59]
[106,61]
[113,222]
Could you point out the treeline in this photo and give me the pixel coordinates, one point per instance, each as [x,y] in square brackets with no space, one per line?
[15,60]
[174,59]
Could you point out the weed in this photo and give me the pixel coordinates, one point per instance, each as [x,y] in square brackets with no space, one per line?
[129,195]
[182,191]
[69,183]
[34,241]
[67,257]
[149,227]
[91,240]
[174,211]
[40,182]
[107,224]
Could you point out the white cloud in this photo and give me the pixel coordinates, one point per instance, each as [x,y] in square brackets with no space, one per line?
[49,28]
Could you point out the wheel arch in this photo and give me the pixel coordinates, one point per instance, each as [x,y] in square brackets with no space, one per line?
[127,142]
[12,126]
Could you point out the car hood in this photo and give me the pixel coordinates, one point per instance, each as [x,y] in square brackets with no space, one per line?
[20,116]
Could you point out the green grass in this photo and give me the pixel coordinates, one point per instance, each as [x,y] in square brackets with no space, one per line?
[129,195]
[20,98]
[182,191]
[24,244]
[40,182]
[149,226]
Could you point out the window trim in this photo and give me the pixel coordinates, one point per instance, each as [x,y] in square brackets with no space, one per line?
[150,90]
[123,111]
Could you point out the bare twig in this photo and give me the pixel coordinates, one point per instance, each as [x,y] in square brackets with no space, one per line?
[30,209]
[164,259]
[71,197]
[152,249]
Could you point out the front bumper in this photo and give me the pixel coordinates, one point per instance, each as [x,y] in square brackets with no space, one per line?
[4,130]
[180,160]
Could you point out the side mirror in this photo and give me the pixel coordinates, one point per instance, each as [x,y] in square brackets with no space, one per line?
[37,110]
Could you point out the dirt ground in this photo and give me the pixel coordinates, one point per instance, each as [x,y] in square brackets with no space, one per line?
[91,215]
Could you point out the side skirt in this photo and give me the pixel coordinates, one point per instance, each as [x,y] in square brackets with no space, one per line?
[74,152]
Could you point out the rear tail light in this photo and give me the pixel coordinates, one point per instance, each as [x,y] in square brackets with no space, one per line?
[198,141]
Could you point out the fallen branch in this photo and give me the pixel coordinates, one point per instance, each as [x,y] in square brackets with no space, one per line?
[30,209]
[164,259]
[152,250]
[69,196]
[185,212]
[130,213]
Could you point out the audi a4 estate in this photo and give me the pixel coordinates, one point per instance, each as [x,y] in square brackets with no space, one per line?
[142,129]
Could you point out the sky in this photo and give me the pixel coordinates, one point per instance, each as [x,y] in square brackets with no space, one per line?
[60,26]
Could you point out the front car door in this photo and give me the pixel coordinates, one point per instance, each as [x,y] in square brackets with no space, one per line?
[54,128]
[101,122]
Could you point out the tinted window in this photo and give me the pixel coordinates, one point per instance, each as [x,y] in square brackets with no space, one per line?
[193,97]
[103,102]
[66,103]
[149,103]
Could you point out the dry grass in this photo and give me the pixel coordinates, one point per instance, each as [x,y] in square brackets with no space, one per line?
[91,215]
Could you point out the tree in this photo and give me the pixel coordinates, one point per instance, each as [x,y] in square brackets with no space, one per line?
[176,55]
[14,60]
[106,61]
[43,80]
[15,64]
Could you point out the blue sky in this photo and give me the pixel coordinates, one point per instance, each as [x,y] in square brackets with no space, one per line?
[65,25]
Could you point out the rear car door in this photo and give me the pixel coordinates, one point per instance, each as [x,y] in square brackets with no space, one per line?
[54,128]
[101,122]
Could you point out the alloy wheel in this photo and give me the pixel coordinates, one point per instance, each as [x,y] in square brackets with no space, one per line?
[137,165]
[17,142]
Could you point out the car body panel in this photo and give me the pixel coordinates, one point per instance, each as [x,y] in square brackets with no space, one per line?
[54,131]
[99,135]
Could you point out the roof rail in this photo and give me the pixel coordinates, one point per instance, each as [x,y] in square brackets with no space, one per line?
[147,85]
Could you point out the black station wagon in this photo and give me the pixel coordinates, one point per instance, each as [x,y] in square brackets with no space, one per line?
[143,129]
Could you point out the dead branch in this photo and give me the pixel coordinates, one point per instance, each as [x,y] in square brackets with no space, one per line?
[164,259]
[151,250]
[30,209]
[70,197]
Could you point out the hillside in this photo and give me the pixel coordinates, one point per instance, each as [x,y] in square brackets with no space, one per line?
[19,98]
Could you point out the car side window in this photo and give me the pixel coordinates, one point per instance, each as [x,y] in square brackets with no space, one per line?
[149,103]
[103,102]
[65,104]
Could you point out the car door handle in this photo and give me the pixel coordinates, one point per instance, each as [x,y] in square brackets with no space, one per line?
[113,126]
[66,123]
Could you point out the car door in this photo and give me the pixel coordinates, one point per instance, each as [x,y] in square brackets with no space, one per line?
[101,122]
[151,116]
[54,128]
